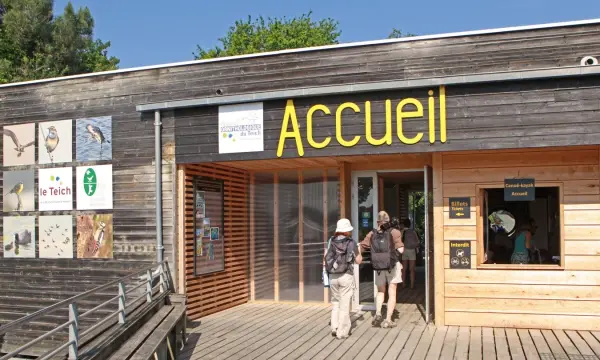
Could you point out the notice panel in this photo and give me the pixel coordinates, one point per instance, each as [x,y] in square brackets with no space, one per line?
[519,189]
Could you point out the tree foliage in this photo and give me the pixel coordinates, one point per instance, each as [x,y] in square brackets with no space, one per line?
[260,35]
[396,33]
[34,44]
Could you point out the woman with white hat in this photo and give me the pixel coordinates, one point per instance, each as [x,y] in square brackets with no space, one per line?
[339,262]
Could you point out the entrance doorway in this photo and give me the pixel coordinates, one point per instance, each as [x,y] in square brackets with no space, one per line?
[404,194]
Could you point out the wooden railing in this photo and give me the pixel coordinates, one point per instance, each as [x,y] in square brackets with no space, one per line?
[124,303]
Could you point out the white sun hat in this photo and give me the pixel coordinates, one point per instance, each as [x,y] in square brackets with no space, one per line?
[343,225]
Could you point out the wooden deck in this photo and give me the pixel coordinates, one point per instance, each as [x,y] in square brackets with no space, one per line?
[294,331]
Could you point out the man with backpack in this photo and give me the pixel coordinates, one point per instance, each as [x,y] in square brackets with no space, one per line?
[386,246]
[339,263]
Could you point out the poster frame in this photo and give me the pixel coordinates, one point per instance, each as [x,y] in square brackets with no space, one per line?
[221,183]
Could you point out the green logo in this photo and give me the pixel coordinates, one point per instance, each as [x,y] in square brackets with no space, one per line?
[90,182]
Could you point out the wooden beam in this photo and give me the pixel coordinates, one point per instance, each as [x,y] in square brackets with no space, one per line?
[381,193]
[345,174]
[252,239]
[300,237]
[325,226]
[438,238]
[276,234]
[181,288]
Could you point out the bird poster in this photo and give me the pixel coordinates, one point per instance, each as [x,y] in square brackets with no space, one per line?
[56,237]
[55,189]
[55,139]
[19,236]
[95,236]
[19,144]
[94,187]
[18,191]
[93,139]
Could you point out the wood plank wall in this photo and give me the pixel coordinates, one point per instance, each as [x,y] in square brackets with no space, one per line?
[559,299]
[211,293]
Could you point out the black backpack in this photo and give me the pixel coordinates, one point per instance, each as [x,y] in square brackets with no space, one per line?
[383,254]
[339,256]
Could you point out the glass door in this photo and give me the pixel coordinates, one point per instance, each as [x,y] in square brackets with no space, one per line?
[364,213]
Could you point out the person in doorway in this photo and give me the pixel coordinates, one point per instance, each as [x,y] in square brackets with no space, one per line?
[522,246]
[409,256]
[385,243]
[339,260]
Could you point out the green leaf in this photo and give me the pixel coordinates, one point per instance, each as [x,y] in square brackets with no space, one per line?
[36,44]
[273,34]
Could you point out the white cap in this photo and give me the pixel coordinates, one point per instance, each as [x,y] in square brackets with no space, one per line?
[343,225]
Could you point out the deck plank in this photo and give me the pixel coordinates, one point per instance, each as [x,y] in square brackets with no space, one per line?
[502,352]
[414,337]
[320,339]
[301,331]
[251,342]
[583,348]
[514,345]
[304,334]
[489,347]
[381,341]
[386,343]
[462,343]
[310,352]
[567,344]
[591,341]
[554,345]
[541,344]
[528,345]
[450,341]
[425,343]
[398,345]
[339,347]
[243,334]
[288,333]
[437,343]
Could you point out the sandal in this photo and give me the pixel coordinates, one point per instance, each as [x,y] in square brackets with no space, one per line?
[388,324]
[376,321]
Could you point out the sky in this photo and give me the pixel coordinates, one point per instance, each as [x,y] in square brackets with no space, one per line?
[149,32]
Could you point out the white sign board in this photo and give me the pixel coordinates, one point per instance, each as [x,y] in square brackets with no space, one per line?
[241,128]
[55,189]
[94,187]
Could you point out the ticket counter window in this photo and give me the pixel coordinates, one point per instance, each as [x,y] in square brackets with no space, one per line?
[522,232]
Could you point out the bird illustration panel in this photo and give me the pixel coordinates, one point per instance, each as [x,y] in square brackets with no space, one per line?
[94,187]
[94,139]
[56,237]
[55,139]
[55,189]
[95,236]
[19,236]
[19,144]
[18,191]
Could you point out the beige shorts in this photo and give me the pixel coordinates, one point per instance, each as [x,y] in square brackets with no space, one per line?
[409,254]
[391,277]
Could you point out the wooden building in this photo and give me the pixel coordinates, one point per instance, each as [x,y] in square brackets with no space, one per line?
[260,155]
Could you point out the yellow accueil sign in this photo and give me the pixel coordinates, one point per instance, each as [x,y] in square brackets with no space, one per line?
[290,118]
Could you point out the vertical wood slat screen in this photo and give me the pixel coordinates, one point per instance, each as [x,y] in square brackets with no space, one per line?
[211,293]
[294,212]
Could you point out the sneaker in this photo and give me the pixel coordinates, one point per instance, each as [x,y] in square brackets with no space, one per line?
[333,333]
[342,337]
[388,324]
[376,320]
